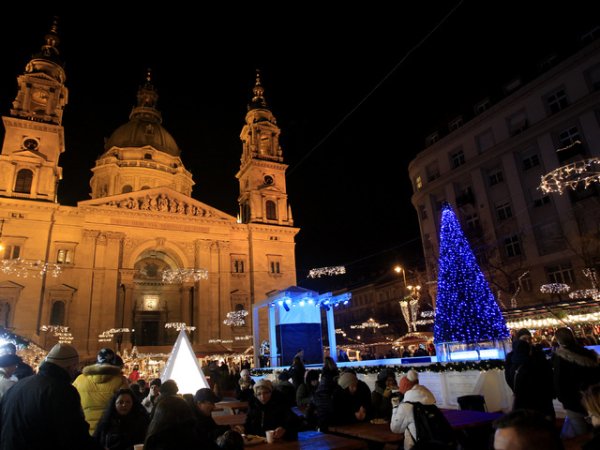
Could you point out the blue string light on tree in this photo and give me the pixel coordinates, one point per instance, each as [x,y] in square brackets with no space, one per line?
[466,310]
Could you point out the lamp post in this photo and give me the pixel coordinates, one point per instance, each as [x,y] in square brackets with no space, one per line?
[399,269]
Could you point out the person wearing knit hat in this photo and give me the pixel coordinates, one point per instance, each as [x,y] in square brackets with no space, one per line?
[270,411]
[243,390]
[63,425]
[352,400]
[402,415]
[381,397]
[8,366]
[97,384]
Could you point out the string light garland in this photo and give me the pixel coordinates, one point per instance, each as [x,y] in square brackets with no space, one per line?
[555,288]
[481,366]
[245,337]
[585,293]
[179,326]
[220,341]
[326,271]
[573,176]
[236,318]
[184,275]
[28,268]
[466,310]
[370,324]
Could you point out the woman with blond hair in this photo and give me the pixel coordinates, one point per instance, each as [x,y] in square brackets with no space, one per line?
[591,402]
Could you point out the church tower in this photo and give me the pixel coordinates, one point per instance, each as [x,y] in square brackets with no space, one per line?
[263,196]
[34,136]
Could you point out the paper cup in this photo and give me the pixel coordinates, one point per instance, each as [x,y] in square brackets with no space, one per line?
[138,447]
[270,436]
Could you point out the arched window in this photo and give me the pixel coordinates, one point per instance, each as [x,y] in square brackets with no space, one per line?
[127,188]
[271,210]
[23,183]
[57,316]
[239,307]
[145,187]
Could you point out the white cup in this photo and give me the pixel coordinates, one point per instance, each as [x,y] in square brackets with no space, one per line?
[138,447]
[270,436]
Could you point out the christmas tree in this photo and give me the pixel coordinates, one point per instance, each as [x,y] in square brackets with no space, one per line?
[466,310]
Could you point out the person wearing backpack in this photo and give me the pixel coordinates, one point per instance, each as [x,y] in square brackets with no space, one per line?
[403,420]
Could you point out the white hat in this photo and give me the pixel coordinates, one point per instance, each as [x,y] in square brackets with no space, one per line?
[63,355]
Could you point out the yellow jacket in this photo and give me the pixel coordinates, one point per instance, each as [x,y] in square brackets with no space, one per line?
[96,385]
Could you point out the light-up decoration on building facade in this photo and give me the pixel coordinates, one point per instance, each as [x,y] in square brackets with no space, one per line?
[585,293]
[575,175]
[370,324]
[179,326]
[184,275]
[326,271]
[236,318]
[546,322]
[60,331]
[28,268]
[554,288]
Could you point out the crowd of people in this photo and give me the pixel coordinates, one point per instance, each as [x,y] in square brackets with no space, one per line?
[101,407]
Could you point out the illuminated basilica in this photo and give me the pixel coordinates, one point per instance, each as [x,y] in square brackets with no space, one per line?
[141,252]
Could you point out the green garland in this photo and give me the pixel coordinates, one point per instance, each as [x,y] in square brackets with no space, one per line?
[481,366]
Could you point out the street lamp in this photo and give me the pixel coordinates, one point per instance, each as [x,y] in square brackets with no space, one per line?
[399,269]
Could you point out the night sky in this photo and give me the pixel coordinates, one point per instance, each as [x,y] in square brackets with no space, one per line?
[348,132]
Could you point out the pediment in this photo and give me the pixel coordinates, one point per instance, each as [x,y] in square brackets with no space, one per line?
[10,285]
[159,200]
[30,154]
[63,288]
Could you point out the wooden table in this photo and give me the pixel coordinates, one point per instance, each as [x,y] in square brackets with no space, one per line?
[381,432]
[369,432]
[312,440]
[233,405]
[461,419]
[576,442]
[231,419]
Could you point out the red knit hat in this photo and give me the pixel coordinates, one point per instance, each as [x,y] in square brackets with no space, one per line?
[408,381]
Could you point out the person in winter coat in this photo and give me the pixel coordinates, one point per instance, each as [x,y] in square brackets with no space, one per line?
[268,411]
[97,384]
[244,390]
[305,392]
[591,402]
[351,400]
[150,400]
[532,382]
[403,420]
[8,366]
[124,422]
[43,411]
[381,397]
[522,335]
[297,372]
[172,426]
[323,396]
[206,427]
[575,369]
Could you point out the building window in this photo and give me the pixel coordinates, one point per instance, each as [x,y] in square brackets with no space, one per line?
[485,141]
[531,161]
[512,246]
[495,176]
[432,139]
[561,273]
[457,159]
[275,267]
[271,210]
[433,172]
[557,101]
[147,156]
[57,315]
[541,201]
[422,212]
[23,182]
[238,266]
[472,221]
[455,124]
[570,144]
[524,282]
[482,106]
[11,252]
[517,123]
[503,211]
[592,76]
[64,256]
[418,183]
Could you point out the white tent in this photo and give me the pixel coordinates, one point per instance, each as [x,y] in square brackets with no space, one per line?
[183,367]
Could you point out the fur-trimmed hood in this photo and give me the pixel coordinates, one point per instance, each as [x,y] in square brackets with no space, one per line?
[580,356]
[102,371]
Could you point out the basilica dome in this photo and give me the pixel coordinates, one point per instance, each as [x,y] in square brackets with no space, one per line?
[139,132]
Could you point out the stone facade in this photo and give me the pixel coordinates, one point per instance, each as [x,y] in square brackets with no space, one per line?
[140,221]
